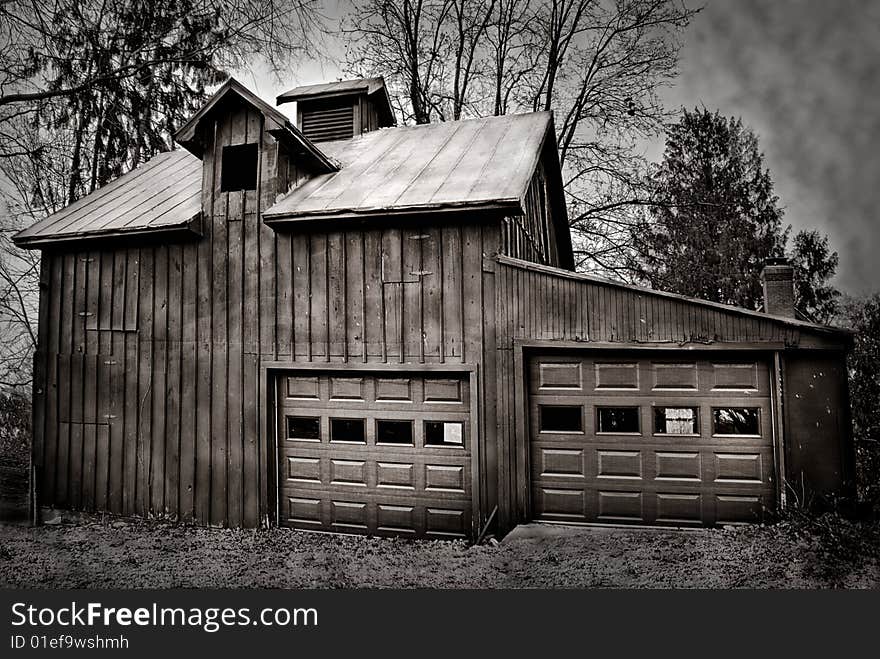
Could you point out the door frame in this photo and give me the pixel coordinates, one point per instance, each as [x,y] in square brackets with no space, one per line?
[523,349]
[272,370]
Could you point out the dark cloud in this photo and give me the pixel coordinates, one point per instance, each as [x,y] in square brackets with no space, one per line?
[805,75]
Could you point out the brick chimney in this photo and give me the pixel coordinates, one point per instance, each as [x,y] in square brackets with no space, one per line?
[778,280]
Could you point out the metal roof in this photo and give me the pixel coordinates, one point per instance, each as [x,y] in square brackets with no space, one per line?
[463,165]
[368,85]
[477,163]
[162,195]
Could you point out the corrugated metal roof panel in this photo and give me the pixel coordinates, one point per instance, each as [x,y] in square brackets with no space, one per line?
[164,193]
[473,163]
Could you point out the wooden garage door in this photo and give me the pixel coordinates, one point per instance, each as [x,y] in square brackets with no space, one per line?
[655,440]
[385,455]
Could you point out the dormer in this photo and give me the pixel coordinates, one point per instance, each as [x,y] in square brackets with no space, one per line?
[341,110]
[248,148]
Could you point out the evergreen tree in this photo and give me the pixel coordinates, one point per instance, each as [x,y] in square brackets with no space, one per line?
[814,265]
[714,218]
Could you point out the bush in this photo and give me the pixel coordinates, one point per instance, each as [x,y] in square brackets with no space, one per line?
[15,427]
[863,316]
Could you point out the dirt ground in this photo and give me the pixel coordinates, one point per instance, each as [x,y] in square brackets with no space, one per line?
[132,554]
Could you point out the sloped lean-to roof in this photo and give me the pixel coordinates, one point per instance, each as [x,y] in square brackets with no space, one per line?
[161,196]
[465,165]
[579,307]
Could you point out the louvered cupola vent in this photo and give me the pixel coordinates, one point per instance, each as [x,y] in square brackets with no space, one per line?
[341,110]
[328,119]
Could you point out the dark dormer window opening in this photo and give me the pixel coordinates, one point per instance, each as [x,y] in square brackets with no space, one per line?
[239,168]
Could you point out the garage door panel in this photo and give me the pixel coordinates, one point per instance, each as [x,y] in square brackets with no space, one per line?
[646,449]
[445,522]
[678,465]
[348,515]
[617,506]
[399,475]
[565,376]
[559,503]
[679,508]
[304,469]
[408,470]
[445,478]
[304,510]
[739,467]
[669,376]
[561,462]
[396,519]
[730,509]
[618,464]
[348,472]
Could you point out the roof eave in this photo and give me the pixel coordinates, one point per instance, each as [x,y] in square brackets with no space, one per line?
[295,217]
[186,228]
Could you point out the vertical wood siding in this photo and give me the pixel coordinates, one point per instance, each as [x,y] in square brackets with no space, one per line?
[151,356]
[532,236]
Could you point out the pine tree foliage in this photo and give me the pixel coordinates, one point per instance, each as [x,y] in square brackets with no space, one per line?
[714,217]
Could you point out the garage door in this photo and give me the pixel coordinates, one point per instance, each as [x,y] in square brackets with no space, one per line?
[375,454]
[650,440]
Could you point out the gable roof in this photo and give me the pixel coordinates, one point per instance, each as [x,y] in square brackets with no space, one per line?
[163,196]
[372,87]
[472,164]
[276,123]
[303,92]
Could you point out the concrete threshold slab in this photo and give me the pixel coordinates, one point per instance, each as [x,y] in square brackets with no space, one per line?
[544,530]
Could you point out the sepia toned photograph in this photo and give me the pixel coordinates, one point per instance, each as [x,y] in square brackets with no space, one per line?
[439,294]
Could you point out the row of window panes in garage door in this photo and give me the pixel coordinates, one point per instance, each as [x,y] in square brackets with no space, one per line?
[683,421]
[395,432]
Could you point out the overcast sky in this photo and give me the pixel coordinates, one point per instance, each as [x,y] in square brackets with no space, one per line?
[805,75]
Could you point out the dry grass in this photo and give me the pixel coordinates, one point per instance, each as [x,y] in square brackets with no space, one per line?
[826,553]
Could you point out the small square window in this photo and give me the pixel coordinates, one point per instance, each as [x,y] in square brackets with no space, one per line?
[347,430]
[239,168]
[444,433]
[304,427]
[736,420]
[394,432]
[561,418]
[676,421]
[618,420]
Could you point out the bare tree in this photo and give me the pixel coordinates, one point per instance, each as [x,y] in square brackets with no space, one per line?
[598,64]
[89,89]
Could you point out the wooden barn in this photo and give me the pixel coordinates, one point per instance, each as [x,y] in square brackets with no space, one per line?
[343,325]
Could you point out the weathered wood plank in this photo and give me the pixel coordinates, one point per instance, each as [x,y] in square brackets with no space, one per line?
[301,308]
[319,303]
[337,310]
[173,438]
[130,374]
[52,434]
[373,300]
[235,297]
[159,381]
[188,382]
[353,270]
[146,390]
